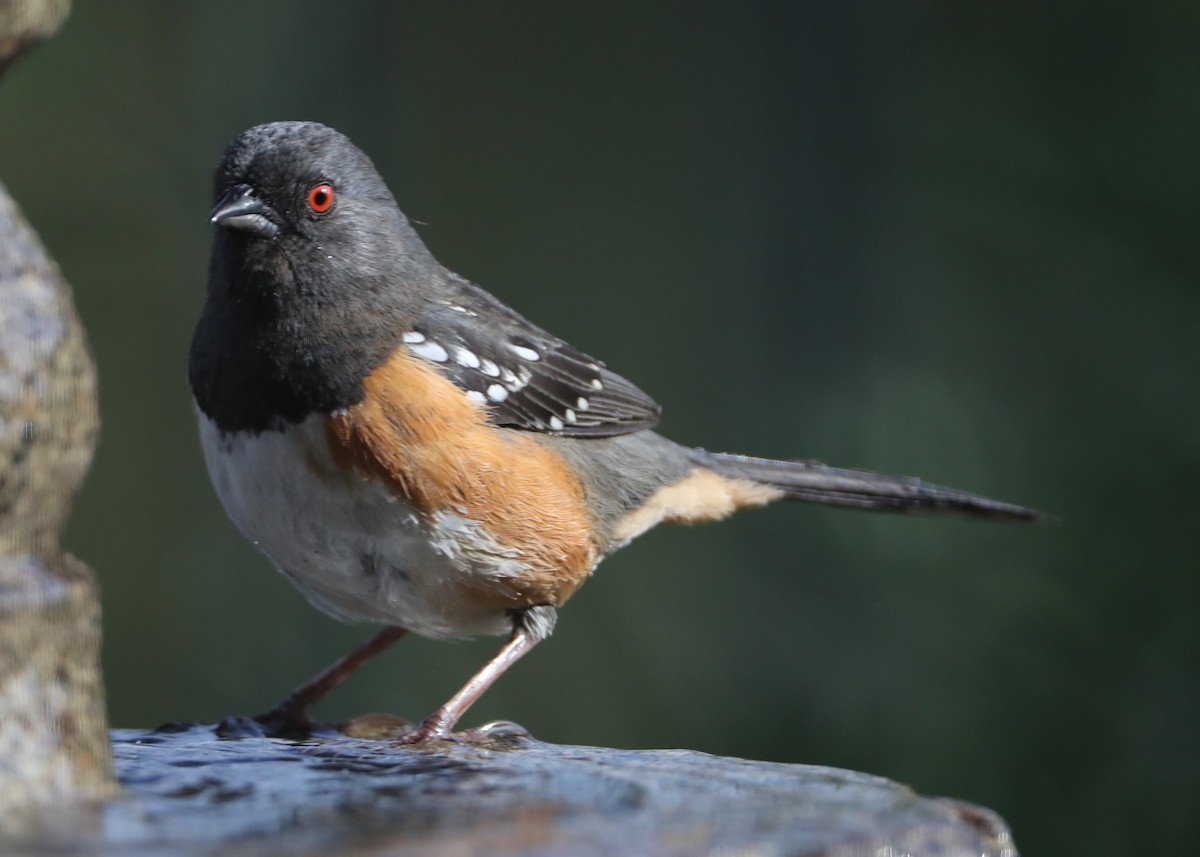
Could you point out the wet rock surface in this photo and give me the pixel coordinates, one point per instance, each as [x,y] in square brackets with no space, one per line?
[497,792]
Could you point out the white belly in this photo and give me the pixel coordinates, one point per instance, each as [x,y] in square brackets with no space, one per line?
[352,548]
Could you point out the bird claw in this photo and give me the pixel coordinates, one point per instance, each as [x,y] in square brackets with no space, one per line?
[430,731]
[285,721]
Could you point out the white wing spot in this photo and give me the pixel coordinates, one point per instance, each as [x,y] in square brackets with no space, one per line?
[582,403]
[517,381]
[556,424]
[497,393]
[570,415]
[463,357]
[413,337]
[525,353]
[489,368]
[430,351]
[476,396]
[597,384]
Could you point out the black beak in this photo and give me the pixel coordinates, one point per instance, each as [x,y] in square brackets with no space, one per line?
[240,209]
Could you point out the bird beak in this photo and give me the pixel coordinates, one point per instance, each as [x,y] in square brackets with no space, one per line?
[240,209]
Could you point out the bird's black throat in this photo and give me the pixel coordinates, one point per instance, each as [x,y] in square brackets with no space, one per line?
[278,342]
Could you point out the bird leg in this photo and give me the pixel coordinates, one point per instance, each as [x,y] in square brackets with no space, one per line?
[291,715]
[441,723]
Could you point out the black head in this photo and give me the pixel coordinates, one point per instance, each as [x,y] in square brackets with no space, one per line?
[298,198]
[314,276]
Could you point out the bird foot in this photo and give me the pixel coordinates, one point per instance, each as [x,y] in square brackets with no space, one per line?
[497,735]
[285,721]
[430,731]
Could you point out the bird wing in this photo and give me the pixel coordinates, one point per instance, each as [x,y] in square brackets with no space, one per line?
[524,376]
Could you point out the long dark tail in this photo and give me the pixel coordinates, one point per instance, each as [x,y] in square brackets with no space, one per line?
[860,489]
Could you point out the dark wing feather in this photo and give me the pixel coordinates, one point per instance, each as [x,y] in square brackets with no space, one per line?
[527,378]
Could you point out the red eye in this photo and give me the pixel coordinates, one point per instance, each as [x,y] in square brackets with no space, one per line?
[320,198]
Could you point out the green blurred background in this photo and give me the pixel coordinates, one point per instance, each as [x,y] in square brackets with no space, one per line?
[926,238]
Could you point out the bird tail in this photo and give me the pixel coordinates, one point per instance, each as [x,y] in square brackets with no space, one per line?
[860,489]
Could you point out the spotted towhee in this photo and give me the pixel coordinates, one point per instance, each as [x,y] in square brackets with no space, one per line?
[409,450]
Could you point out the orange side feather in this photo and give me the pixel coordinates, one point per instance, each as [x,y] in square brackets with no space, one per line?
[417,431]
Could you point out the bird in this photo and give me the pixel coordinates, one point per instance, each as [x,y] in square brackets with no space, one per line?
[408,450]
